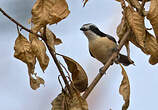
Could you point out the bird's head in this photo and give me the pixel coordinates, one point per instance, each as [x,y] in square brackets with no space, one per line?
[90,30]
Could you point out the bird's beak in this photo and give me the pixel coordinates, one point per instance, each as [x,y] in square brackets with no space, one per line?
[83,29]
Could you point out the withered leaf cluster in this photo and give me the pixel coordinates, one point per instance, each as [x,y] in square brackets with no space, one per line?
[29,51]
[134,19]
[43,12]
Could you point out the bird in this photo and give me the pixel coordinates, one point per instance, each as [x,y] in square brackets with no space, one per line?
[102,46]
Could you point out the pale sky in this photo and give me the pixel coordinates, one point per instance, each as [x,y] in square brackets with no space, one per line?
[15,91]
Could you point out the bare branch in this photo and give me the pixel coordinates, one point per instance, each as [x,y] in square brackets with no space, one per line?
[17,23]
[52,52]
[106,66]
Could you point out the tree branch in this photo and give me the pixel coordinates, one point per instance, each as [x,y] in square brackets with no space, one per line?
[52,52]
[49,48]
[106,66]
[17,23]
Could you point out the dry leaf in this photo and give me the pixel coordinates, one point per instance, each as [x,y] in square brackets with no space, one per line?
[79,76]
[51,38]
[23,52]
[153,16]
[59,103]
[136,22]
[125,89]
[150,45]
[64,102]
[77,103]
[35,83]
[39,50]
[49,12]
[85,1]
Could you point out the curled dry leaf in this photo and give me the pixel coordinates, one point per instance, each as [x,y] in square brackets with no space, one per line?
[79,76]
[49,12]
[64,102]
[23,52]
[125,89]
[136,22]
[39,50]
[35,83]
[153,16]
[51,38]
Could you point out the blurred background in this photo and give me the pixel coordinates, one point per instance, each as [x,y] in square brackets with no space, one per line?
[15,91]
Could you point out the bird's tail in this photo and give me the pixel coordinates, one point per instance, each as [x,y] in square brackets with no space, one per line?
[124,60]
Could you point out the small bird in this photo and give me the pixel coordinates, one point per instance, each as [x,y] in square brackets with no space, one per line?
[102,46]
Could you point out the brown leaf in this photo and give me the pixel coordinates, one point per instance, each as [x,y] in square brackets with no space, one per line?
[64,102]
[35,83]
[85,1]
[77,103]
[153,16]
[59,103]
[136,22]
[23,52]
[39,50]
[125,89]
[51,38]
[49,12]
[79,76]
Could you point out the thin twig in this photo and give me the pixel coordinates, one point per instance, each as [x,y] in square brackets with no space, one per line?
[106,66]
[65,70]
[52,52]
[17,23]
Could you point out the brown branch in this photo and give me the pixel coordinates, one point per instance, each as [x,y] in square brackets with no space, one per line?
[58,66]
[49,48]
[17,23]
[106,66]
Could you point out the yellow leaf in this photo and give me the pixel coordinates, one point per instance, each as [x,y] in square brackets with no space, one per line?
[136,22]
[79,76]
[153,16]
[39,50]
[35,83]
[51,38]
[23,52]
[49,12]
[125,89]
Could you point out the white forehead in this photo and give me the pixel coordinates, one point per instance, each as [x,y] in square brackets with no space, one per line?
[88,25]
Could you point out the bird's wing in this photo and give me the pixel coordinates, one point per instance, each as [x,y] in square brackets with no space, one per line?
[110,37]
[98,32]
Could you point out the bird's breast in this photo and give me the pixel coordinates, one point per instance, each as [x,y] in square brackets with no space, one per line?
[102,48]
